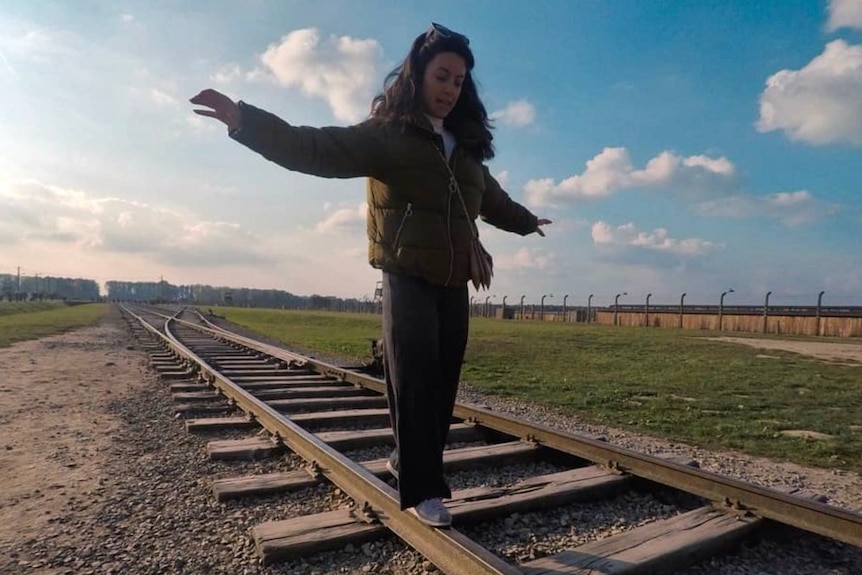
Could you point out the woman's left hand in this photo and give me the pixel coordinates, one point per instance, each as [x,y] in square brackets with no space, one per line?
[539,224]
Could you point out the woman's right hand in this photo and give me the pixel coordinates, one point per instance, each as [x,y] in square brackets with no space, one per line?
[222,108]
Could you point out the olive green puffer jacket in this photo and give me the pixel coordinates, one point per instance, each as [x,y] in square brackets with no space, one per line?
[416,225]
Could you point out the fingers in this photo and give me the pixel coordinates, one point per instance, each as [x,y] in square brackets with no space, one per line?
[212,99]
[221,107]
[539,223]
[206,97]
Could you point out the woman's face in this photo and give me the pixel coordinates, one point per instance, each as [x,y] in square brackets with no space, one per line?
[441,84]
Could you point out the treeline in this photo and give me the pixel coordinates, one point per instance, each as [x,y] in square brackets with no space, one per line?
[36,288]
[205,295]
[14,287]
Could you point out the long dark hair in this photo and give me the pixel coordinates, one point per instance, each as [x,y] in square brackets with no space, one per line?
[401,99]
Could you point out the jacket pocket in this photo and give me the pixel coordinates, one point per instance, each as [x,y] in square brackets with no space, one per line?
[408,213]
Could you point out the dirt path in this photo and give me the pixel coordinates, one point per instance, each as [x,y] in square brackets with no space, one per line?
[55,429]
[830,351]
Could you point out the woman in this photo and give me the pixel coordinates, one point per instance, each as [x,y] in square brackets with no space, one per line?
[422,150]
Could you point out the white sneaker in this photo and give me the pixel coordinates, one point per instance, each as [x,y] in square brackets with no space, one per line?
[432,512]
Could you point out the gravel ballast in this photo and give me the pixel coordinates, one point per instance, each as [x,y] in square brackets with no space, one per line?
[145,505]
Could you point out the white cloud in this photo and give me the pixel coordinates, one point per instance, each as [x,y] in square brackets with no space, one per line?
[612,171]
[42,213]
[162,98]
[791,208]
[628,235]
[820,103]
[343,219]
[6,65]
[502,178]
[40,45]
[127,18]
[518,114]
[341,71]
[844,14]
[524,259]
[227,74]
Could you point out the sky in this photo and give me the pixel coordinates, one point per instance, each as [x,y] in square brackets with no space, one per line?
[678,147]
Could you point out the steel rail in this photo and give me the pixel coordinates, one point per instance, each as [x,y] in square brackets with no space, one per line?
[449,550]
[815,517]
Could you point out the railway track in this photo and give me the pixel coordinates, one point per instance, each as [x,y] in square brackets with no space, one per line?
[276,401]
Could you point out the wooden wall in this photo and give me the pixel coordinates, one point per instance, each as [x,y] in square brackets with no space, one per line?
[775,324]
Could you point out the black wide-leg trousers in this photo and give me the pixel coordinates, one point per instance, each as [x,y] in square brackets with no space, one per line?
[424,336]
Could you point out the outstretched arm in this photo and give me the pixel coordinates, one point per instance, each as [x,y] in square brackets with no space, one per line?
[500,210]
[331,152]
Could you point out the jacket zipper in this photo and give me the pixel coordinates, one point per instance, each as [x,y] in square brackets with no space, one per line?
[407,213]
[449,222]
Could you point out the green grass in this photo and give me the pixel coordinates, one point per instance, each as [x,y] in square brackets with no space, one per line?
[346,335]
[669,383]
[36,320]
[13,307]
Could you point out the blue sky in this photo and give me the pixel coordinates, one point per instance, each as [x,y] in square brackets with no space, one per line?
[677,146]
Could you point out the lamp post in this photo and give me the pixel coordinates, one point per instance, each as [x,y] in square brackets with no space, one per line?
[542,306]
[504,306]
[819,302]
[646,320]
[590,309]
[766,310]
[681,308]
[522,305]
[487,311]
[721,306]
[565,297]
[616,306]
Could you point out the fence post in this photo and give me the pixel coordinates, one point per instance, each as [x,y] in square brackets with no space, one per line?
[646,311]
[819,302]
[766,311]
[681,308]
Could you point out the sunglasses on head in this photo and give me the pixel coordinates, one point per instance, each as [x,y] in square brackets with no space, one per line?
[439,31]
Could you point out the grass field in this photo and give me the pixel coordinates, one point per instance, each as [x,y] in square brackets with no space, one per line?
[21,321]
[668,383]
